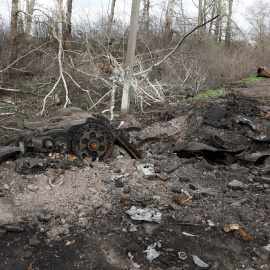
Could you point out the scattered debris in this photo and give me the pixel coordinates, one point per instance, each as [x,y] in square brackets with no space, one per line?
[70,242]
[199,262]
[151,253]
[113,177]
[147,169]
[267,247]
[56,181]
[210,223]
[161,177]
[181,201]
[182,255]
[237,229]
[147,214]
[189,234]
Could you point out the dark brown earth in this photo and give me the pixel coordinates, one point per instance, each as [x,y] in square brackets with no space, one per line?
[83,224]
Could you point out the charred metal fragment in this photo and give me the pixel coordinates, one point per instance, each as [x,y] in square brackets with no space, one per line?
[216,116]
[254,158]
[261,72]
[6,154]
[191,149]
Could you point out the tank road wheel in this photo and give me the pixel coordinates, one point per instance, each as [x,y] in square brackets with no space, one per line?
[93,140]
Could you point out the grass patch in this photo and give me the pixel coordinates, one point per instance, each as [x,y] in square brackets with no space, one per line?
[209,93]
[252,78]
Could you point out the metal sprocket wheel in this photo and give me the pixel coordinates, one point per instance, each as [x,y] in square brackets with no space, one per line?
[93,140]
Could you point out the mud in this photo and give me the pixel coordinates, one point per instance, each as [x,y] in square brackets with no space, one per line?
[82,222]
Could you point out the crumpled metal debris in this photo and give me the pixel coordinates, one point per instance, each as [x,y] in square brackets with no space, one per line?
[146,214]
[244,120]
[151,253]
[199,262]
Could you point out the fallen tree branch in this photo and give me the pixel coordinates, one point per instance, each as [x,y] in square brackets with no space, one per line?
[17,129]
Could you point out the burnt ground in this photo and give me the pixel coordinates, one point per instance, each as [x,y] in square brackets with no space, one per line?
[83,224]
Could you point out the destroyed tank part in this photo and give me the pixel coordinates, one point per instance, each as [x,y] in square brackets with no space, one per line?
[73,131]
[93,140]
[63,129]
[6,154]
[261,72]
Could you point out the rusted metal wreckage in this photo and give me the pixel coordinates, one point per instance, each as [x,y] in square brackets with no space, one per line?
[73,131]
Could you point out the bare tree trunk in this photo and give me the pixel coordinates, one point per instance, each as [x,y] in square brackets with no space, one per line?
[200,16]
[110,22]
[130,55]
[212,15]
[200,13]
[60,22]
[145,18]
[30,4]
[218,22]
[14,31]
[229,26]
[68,36]
[169,22]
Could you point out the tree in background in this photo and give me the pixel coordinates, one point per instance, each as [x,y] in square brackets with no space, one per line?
[14,44]
[229,25]
[170,13]
[145,18]
[258,17]
[68,29]
[110,20]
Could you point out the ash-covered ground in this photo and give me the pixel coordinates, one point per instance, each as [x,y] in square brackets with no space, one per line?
[210,207]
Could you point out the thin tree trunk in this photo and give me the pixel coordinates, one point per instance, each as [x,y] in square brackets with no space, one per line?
[200,16]
[130,55]
[218,22]
[145,18]
[212,15]
[229,26]
[14,31]
[110,22]
[60,21]
[169,22]
[68,36]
